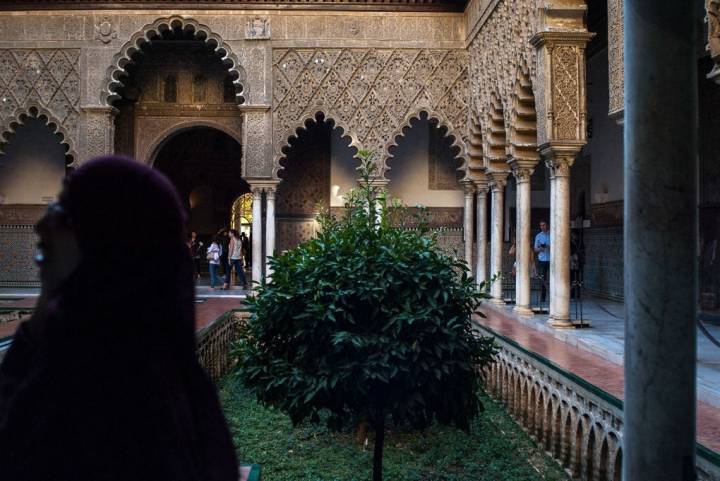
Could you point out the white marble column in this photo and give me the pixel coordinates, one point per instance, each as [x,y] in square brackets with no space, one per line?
[482,235]
[257,235]
[498,180]
[661,240]
[550,283]
[523,248]
[559,164]
[468,215]
[269,229]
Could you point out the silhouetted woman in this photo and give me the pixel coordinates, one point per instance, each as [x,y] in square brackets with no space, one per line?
[103,383]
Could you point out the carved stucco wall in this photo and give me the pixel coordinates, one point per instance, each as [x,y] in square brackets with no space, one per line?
[499,52]
[45,80]
[370,93]
[616,35]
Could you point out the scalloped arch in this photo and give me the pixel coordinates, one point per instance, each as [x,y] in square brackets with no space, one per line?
[450,131]
[495,138]
[147,35]
[522,131]
[37,112]
[301,125]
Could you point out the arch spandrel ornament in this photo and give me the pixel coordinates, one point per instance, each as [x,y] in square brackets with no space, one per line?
[450,131]
[38,112]
[146,35]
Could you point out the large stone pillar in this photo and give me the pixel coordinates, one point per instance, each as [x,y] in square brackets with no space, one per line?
[661,128]
[257,234]
[269,228]
[523,247]
[498,180]
[482,235]
[559,160]
[468,215]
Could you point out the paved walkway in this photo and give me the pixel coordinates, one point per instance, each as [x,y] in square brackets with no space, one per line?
[588,353]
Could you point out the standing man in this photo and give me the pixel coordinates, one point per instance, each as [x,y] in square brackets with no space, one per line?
[542,247]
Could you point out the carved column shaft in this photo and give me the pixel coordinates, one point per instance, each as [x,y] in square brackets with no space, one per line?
[468,215]
[482,235]
[523,249]
[257,234]
[498,180]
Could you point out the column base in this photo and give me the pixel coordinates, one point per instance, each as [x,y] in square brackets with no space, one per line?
[497,302]
[560,323]
[523,311]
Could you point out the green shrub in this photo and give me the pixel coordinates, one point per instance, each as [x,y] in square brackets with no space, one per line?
[367,321]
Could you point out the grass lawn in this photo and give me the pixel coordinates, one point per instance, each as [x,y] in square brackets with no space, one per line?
[496,449]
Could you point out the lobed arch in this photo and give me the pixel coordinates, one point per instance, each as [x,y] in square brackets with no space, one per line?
[522,132]
[148,34]
[35,111]
[302,124]
[450,131]
[495,138]
[475,144]
[148,154]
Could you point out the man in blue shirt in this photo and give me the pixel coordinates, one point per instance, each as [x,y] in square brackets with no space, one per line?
[542,247]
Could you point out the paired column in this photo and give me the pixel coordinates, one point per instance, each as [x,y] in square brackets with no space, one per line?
[269,229]
[468,215]
[523,246]
[482,235]
[257,234]
[498,180]
[660,240]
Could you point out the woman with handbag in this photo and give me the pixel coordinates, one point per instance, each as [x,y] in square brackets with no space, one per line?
[213,256]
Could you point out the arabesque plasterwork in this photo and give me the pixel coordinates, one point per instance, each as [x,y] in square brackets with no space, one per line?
[616,35]
[371,94]
[44,79]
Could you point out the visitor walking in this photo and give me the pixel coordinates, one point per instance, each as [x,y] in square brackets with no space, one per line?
[235,259]
[542,247]
[195,248]
[246,249]
[103,382]
[214,257]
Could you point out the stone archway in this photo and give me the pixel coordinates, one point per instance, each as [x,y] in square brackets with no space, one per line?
[149,33]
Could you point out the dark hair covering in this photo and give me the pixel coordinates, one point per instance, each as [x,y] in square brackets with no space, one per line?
[111,388]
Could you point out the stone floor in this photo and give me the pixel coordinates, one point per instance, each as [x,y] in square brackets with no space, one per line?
[595,354]
[606,336]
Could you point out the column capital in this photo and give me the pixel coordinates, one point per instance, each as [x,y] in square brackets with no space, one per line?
[522,174]
[497,180]
[481,187]
[559,157]
[468,187]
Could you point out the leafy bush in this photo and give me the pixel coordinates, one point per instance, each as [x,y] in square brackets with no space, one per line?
[368,320]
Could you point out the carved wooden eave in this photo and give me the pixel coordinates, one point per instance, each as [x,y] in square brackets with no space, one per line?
[356,5]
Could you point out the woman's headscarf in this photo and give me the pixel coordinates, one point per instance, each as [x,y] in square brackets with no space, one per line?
[111,389]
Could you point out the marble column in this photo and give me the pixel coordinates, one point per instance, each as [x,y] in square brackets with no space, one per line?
[559,159]
[498,180]
[660,244]
[482,235]
[257,234]
[269,229]
[523,248]
[468,215]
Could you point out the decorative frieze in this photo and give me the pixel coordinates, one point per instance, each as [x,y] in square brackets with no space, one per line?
[372,94]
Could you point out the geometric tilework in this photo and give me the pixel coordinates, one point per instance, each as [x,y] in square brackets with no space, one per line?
[604,262]
[17,256]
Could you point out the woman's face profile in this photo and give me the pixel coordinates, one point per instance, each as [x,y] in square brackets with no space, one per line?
[58,252]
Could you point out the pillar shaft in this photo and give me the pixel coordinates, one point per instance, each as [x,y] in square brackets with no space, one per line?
[559,165]
[497,185]
[269,229]
[482,235]
[257,235]
[522,242]
[468,215]
[660,240]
